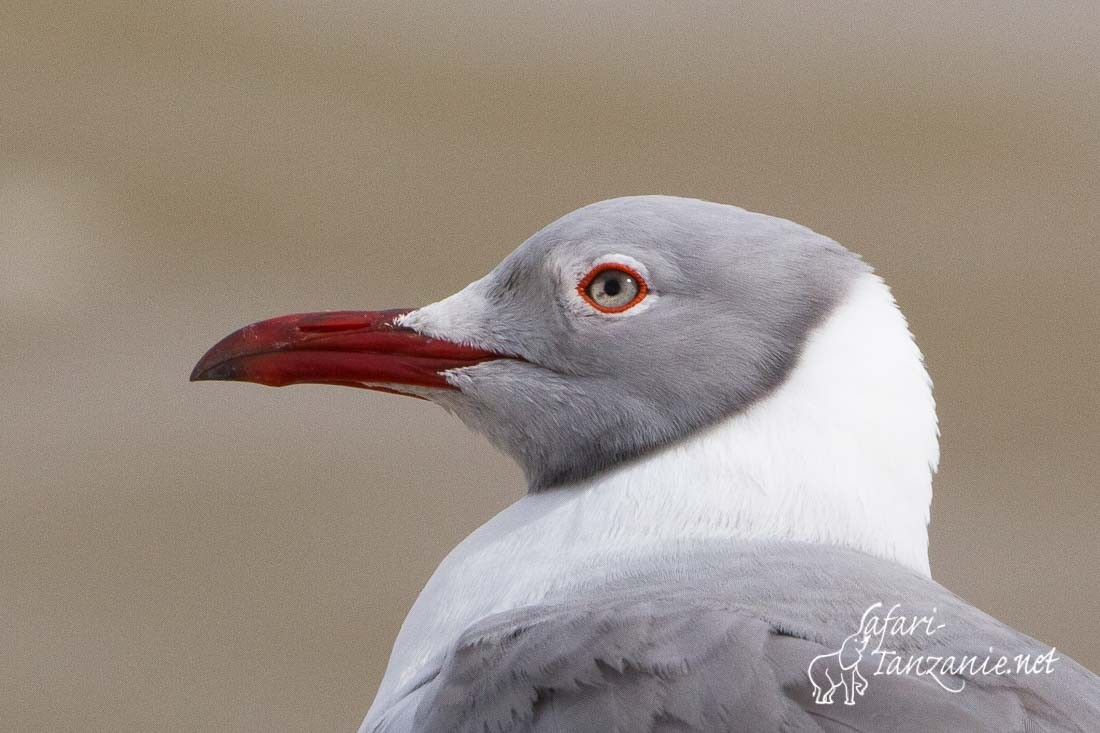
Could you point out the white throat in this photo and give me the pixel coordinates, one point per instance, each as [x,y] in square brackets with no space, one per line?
[842,453]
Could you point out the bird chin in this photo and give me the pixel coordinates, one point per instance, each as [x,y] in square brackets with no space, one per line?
[405,390]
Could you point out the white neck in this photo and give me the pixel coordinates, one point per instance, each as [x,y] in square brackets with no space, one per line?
[842,453]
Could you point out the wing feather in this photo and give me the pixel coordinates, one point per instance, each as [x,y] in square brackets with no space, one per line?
[722,643]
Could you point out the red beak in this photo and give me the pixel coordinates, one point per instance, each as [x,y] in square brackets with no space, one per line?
[350,348]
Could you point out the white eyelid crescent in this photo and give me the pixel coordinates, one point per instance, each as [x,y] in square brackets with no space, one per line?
[578,305]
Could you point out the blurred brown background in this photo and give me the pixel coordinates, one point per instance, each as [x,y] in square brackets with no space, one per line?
[227,557]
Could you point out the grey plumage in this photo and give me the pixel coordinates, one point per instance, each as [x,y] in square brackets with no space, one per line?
[739,293]
[641,629]
[719,637]
[677,564]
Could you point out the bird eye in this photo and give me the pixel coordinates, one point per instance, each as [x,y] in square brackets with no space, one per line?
[612,288]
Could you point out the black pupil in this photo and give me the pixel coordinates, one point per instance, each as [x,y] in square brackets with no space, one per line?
[612,286]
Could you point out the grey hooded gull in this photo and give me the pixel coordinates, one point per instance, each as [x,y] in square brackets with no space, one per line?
[729,439]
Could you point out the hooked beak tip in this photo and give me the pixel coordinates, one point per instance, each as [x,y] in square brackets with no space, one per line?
[226,371]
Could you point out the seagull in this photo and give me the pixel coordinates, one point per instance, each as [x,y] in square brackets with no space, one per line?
[728,437]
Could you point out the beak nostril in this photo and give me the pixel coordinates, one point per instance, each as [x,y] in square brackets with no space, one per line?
[349,327]
[330,327]
[337,321]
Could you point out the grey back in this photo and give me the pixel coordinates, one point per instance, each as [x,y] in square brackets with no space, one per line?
[719,638]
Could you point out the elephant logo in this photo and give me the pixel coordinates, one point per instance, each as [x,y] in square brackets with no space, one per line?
[840,669]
